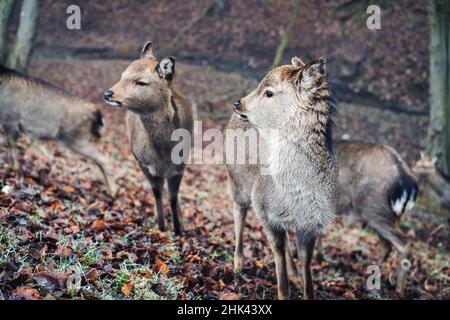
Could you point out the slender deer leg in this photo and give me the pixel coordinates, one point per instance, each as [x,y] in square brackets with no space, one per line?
[319,248]
[239,214]
[398,240]
[173,184]
[277,240]
[385,251]
[292,270]
[11,138]
[305,247]
[404,264]
[90,151]
[157,184]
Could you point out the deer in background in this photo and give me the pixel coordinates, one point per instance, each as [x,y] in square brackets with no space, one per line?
[291,110]
[154,110]
[377,187]
[42,111]
[427,171]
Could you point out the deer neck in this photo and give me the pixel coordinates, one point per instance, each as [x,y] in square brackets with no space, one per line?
[438,182]
[163,117]
[303,144]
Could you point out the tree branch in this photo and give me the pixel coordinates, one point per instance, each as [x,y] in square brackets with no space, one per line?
[285,36]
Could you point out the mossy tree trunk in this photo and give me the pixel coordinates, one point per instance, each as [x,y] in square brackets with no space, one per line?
[6,7]
[439,128]
[19,55]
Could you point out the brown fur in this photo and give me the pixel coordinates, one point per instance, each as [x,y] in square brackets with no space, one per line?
[376,186]
[43,111]
[298,192]
[154,111]
[427,171]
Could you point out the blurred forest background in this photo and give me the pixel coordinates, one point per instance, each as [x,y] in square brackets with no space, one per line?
[76,242]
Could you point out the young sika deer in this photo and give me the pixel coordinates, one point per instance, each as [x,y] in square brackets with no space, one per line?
[291,111]
[427,171]
[42,111]
[376,186]
[154,110]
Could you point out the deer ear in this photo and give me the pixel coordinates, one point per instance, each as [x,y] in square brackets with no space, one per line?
[297,62]
[313,74]
[147,51]
[166,68]
[422,154]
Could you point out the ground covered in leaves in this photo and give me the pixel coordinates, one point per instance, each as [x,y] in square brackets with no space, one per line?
[62,237]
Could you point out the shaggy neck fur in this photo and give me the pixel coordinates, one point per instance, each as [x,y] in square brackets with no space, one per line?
[302,164]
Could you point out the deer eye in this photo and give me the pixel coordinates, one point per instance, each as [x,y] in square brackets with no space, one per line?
[268,94]
[141,83]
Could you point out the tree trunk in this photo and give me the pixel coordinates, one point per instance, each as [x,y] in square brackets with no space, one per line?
[20,54]
[439,127]
[285,36]
[5,12]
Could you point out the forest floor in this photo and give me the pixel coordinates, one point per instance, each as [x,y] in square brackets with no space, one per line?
[62,237]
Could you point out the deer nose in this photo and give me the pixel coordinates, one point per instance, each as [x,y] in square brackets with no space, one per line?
[107,95]
[237,105]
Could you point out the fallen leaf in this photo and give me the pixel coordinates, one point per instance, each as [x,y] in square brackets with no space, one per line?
[25,293]
[127,288]
[161,266]
[91,275]
[99,225]
[69,189]
[229,296]
[50,280]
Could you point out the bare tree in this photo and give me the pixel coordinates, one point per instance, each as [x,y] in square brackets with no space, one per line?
[286,32]
[19,56]
[5,12]
[439,127]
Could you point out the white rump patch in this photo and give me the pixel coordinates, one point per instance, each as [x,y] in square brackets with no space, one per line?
[399,204]
[411,203]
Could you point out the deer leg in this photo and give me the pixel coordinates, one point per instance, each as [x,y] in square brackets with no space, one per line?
[277,240]
[157,184]
[90,151]
[404,264]
[385,251]
[11,138]
[292,270]
[239,214]
[173,184]
[305,247]
[319,248]
[396,238]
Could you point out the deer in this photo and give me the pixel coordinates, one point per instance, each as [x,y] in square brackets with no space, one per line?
[154,110]
[294,186]
[427,171]
[376,187]
[43,111]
